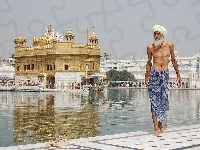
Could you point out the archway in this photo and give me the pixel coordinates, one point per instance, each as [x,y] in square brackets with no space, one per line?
[50,81]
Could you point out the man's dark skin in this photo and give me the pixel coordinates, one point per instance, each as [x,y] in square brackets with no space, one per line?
[160,56]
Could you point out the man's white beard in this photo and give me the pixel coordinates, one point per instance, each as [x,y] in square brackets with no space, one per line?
[158,42]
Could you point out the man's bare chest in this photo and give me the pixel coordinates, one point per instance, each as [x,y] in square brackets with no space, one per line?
[161,52]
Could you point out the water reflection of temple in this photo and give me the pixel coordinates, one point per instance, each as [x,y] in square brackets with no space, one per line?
[43,116]
[81,123]
[33,118]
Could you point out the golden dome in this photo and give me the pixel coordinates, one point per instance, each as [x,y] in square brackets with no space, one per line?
[20,39]
[69,34]
[93,36]
[47,38]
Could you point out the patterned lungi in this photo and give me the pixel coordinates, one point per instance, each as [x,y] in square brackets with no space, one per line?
[158,92]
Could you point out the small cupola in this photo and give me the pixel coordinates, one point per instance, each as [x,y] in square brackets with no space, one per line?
[69,35]
[93,38]
[20,41]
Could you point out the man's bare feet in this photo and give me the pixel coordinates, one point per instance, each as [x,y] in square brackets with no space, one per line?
[162,130]
[156,132]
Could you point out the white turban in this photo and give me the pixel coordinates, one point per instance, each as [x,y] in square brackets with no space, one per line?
[160,29]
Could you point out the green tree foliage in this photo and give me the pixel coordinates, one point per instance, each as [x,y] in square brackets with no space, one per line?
[124,75]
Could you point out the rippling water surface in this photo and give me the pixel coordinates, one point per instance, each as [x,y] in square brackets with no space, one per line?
[38,117]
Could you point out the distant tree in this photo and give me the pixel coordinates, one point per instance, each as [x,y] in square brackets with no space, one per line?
[124,75]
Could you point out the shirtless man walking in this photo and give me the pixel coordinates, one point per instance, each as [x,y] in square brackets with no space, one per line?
[157,75]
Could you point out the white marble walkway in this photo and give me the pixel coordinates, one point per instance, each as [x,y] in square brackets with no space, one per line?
[182,138]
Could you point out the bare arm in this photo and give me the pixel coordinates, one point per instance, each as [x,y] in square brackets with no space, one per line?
[173,59]
[148,65]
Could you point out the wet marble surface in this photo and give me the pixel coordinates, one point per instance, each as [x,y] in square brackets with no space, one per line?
[179,138]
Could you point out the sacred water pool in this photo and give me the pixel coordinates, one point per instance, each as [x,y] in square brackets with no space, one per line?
[31,117]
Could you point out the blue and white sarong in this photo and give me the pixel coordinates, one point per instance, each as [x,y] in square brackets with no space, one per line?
[158,92]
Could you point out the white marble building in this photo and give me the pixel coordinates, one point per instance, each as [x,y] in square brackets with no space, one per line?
[7,72]
[188,66]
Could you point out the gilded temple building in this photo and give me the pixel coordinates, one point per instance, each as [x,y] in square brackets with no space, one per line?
[56,59]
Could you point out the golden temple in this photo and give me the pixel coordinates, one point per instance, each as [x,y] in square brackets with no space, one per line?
[53,53]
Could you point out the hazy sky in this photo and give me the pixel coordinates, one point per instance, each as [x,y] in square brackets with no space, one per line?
[122,26]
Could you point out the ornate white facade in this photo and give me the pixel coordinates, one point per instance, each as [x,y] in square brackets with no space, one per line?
[188,67]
